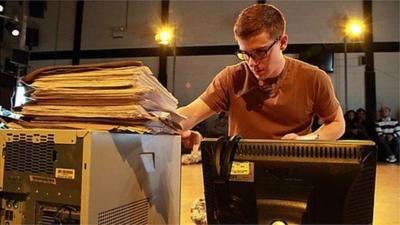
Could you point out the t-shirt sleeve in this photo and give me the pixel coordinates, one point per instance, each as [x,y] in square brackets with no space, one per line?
[326,103]
[216,96]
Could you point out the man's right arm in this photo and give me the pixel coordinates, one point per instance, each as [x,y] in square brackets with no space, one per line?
[195,112]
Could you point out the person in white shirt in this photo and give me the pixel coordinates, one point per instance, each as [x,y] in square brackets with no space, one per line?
[388,131]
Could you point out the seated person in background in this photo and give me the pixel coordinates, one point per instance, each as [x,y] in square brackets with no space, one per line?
[355,128]
[349,118]
[388,131]
[361,125]
[268,95]
[368,125]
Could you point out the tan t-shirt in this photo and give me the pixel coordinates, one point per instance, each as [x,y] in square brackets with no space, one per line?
[287,105]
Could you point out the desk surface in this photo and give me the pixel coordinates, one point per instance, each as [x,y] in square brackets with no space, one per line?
[387,193]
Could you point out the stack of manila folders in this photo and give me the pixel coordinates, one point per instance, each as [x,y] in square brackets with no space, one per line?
[115,96]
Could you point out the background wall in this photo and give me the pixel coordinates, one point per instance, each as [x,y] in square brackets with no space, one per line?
[209,23]
[140,18]
[386,21]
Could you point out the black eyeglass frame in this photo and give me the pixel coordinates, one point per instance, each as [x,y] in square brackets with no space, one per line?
[245,56]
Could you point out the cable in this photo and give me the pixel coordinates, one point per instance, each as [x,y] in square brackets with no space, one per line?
[57,29]
[58,217]
[13,96]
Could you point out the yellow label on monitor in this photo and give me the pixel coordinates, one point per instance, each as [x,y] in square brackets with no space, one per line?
[240,168]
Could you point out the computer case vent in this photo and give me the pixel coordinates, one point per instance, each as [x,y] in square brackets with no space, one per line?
[133,213]
[30,153]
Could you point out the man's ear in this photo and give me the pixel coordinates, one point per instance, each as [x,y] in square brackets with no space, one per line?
[283,42]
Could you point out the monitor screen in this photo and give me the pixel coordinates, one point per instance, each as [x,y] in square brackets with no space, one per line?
[292,182]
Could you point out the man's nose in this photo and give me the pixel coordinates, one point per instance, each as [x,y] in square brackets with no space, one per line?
[253,62]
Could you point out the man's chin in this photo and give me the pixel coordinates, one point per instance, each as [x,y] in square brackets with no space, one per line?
[261,75]
[258,73]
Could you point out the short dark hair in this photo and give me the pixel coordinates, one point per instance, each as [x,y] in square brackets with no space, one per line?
[258,18]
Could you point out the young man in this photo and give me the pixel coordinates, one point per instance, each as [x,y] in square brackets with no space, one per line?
[268,95]
[388,131]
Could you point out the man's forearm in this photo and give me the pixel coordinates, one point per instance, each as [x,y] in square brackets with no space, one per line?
[195,112]
[191,121]
[331,131]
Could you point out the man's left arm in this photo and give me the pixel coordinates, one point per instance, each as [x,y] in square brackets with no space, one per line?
[328,131]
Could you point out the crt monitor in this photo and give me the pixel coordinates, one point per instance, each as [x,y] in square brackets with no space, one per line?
[288,182]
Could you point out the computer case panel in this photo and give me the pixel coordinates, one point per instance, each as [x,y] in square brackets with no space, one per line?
[90,177]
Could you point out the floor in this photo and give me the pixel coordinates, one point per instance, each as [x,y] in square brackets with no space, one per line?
[387,193]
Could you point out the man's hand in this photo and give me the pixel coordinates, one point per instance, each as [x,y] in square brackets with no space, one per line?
[191,139]
[293,136]
[290,136]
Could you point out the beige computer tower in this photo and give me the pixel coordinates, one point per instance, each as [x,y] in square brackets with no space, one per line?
[88,177]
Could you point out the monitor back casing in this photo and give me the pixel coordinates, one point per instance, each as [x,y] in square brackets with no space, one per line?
[299,182]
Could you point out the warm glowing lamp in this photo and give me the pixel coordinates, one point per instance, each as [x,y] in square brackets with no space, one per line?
[354,28]
[165,35]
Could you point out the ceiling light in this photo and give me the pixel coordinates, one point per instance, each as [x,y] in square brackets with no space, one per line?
[12,28]
[2,6]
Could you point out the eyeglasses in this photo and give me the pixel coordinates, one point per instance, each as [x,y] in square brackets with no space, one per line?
[256,54]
